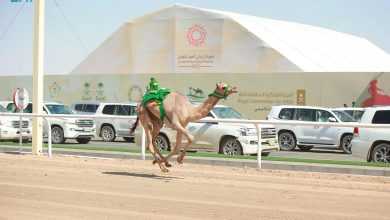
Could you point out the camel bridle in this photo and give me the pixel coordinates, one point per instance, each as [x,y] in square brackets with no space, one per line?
[225,94]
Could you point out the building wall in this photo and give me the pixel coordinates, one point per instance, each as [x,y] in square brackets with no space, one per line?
[257,92]
[183,43]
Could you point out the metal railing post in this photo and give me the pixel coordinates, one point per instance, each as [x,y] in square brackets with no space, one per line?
[20,134]
[143,145]
[259,146]
[49,147]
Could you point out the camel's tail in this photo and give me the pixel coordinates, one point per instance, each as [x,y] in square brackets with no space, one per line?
[134,125]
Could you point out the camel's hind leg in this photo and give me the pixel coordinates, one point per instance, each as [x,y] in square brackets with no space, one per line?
[148,126]
[155,132]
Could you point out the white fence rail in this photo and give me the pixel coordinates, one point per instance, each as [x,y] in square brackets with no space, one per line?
[256,123]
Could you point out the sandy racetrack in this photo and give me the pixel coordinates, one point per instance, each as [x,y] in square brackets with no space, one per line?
[85,188]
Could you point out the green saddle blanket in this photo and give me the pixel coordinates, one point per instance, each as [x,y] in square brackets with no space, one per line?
[156,94]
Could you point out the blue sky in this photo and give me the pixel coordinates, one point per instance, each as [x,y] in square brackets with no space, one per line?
[74,28]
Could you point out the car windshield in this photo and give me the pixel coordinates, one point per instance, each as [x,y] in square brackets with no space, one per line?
[356,114]
[59,109]
[2,109]
[344,117]
[226,112]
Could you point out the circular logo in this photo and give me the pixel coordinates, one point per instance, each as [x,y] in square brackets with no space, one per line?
[135,93]
[20,98]
[54,90]
[196,35]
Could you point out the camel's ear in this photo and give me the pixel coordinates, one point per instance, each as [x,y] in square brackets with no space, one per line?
[219,85]
[234,90]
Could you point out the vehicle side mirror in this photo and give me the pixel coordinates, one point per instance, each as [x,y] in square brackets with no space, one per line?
[332,119]
[208,117]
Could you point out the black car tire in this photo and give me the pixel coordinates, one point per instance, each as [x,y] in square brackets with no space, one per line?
[230,146]
[107,133]
[57,135]
[287,141]
[345,143]
[162,143]
[381,153]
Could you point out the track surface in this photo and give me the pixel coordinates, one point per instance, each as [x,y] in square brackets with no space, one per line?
[36,187]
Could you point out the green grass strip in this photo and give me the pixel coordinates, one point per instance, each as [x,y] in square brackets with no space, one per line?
[211,155]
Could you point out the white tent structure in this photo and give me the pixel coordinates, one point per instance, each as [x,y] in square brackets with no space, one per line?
[184,39]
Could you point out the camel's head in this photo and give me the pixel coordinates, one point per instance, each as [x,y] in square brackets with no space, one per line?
[223,90]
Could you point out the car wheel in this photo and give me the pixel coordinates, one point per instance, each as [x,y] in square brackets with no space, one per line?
[231,146]
[57,135]
[345,143]
[381,153]
[128,139]
[162,143]
[108,133]
[305,147]
[83,140]
[287,141]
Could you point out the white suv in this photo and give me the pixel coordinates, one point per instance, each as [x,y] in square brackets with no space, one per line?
[9,127]
[373,144]
[109,129]
[225,138]
[306,137]
[83,130]
[355,113]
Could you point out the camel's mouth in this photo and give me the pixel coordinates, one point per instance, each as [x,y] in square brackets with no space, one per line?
[234,90]
[225,89]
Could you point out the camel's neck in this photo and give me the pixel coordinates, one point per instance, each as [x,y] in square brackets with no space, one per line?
[202,110]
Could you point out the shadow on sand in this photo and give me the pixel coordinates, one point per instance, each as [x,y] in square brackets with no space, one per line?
[143,175]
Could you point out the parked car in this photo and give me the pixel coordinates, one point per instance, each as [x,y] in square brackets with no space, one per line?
[344,116]
[225,138]
[373,144]
[10,127]
[83,130]
[306,137]
[355,113]
[110,129]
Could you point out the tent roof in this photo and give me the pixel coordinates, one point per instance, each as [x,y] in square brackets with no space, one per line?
[312,49]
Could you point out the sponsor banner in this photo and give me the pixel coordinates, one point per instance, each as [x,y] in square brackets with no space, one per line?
[198,45]
[257,92]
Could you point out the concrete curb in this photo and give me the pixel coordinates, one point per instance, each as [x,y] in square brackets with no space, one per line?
[274,165]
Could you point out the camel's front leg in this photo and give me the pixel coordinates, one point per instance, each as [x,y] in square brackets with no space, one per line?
[175,149]
[186,134]
[158,158]
[190,139]
[156,130]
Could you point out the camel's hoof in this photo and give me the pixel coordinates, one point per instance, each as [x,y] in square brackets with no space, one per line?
[163,168]
[180,159]
[168,164]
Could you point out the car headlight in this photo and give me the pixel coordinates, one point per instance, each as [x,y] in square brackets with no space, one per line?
[71,122]
[247,131]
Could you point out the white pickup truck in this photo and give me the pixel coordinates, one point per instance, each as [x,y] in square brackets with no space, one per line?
[373,144]
[10,127]
[225,138]
[81,129]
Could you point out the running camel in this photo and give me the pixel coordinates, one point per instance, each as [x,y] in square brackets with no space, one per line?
[160,106]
